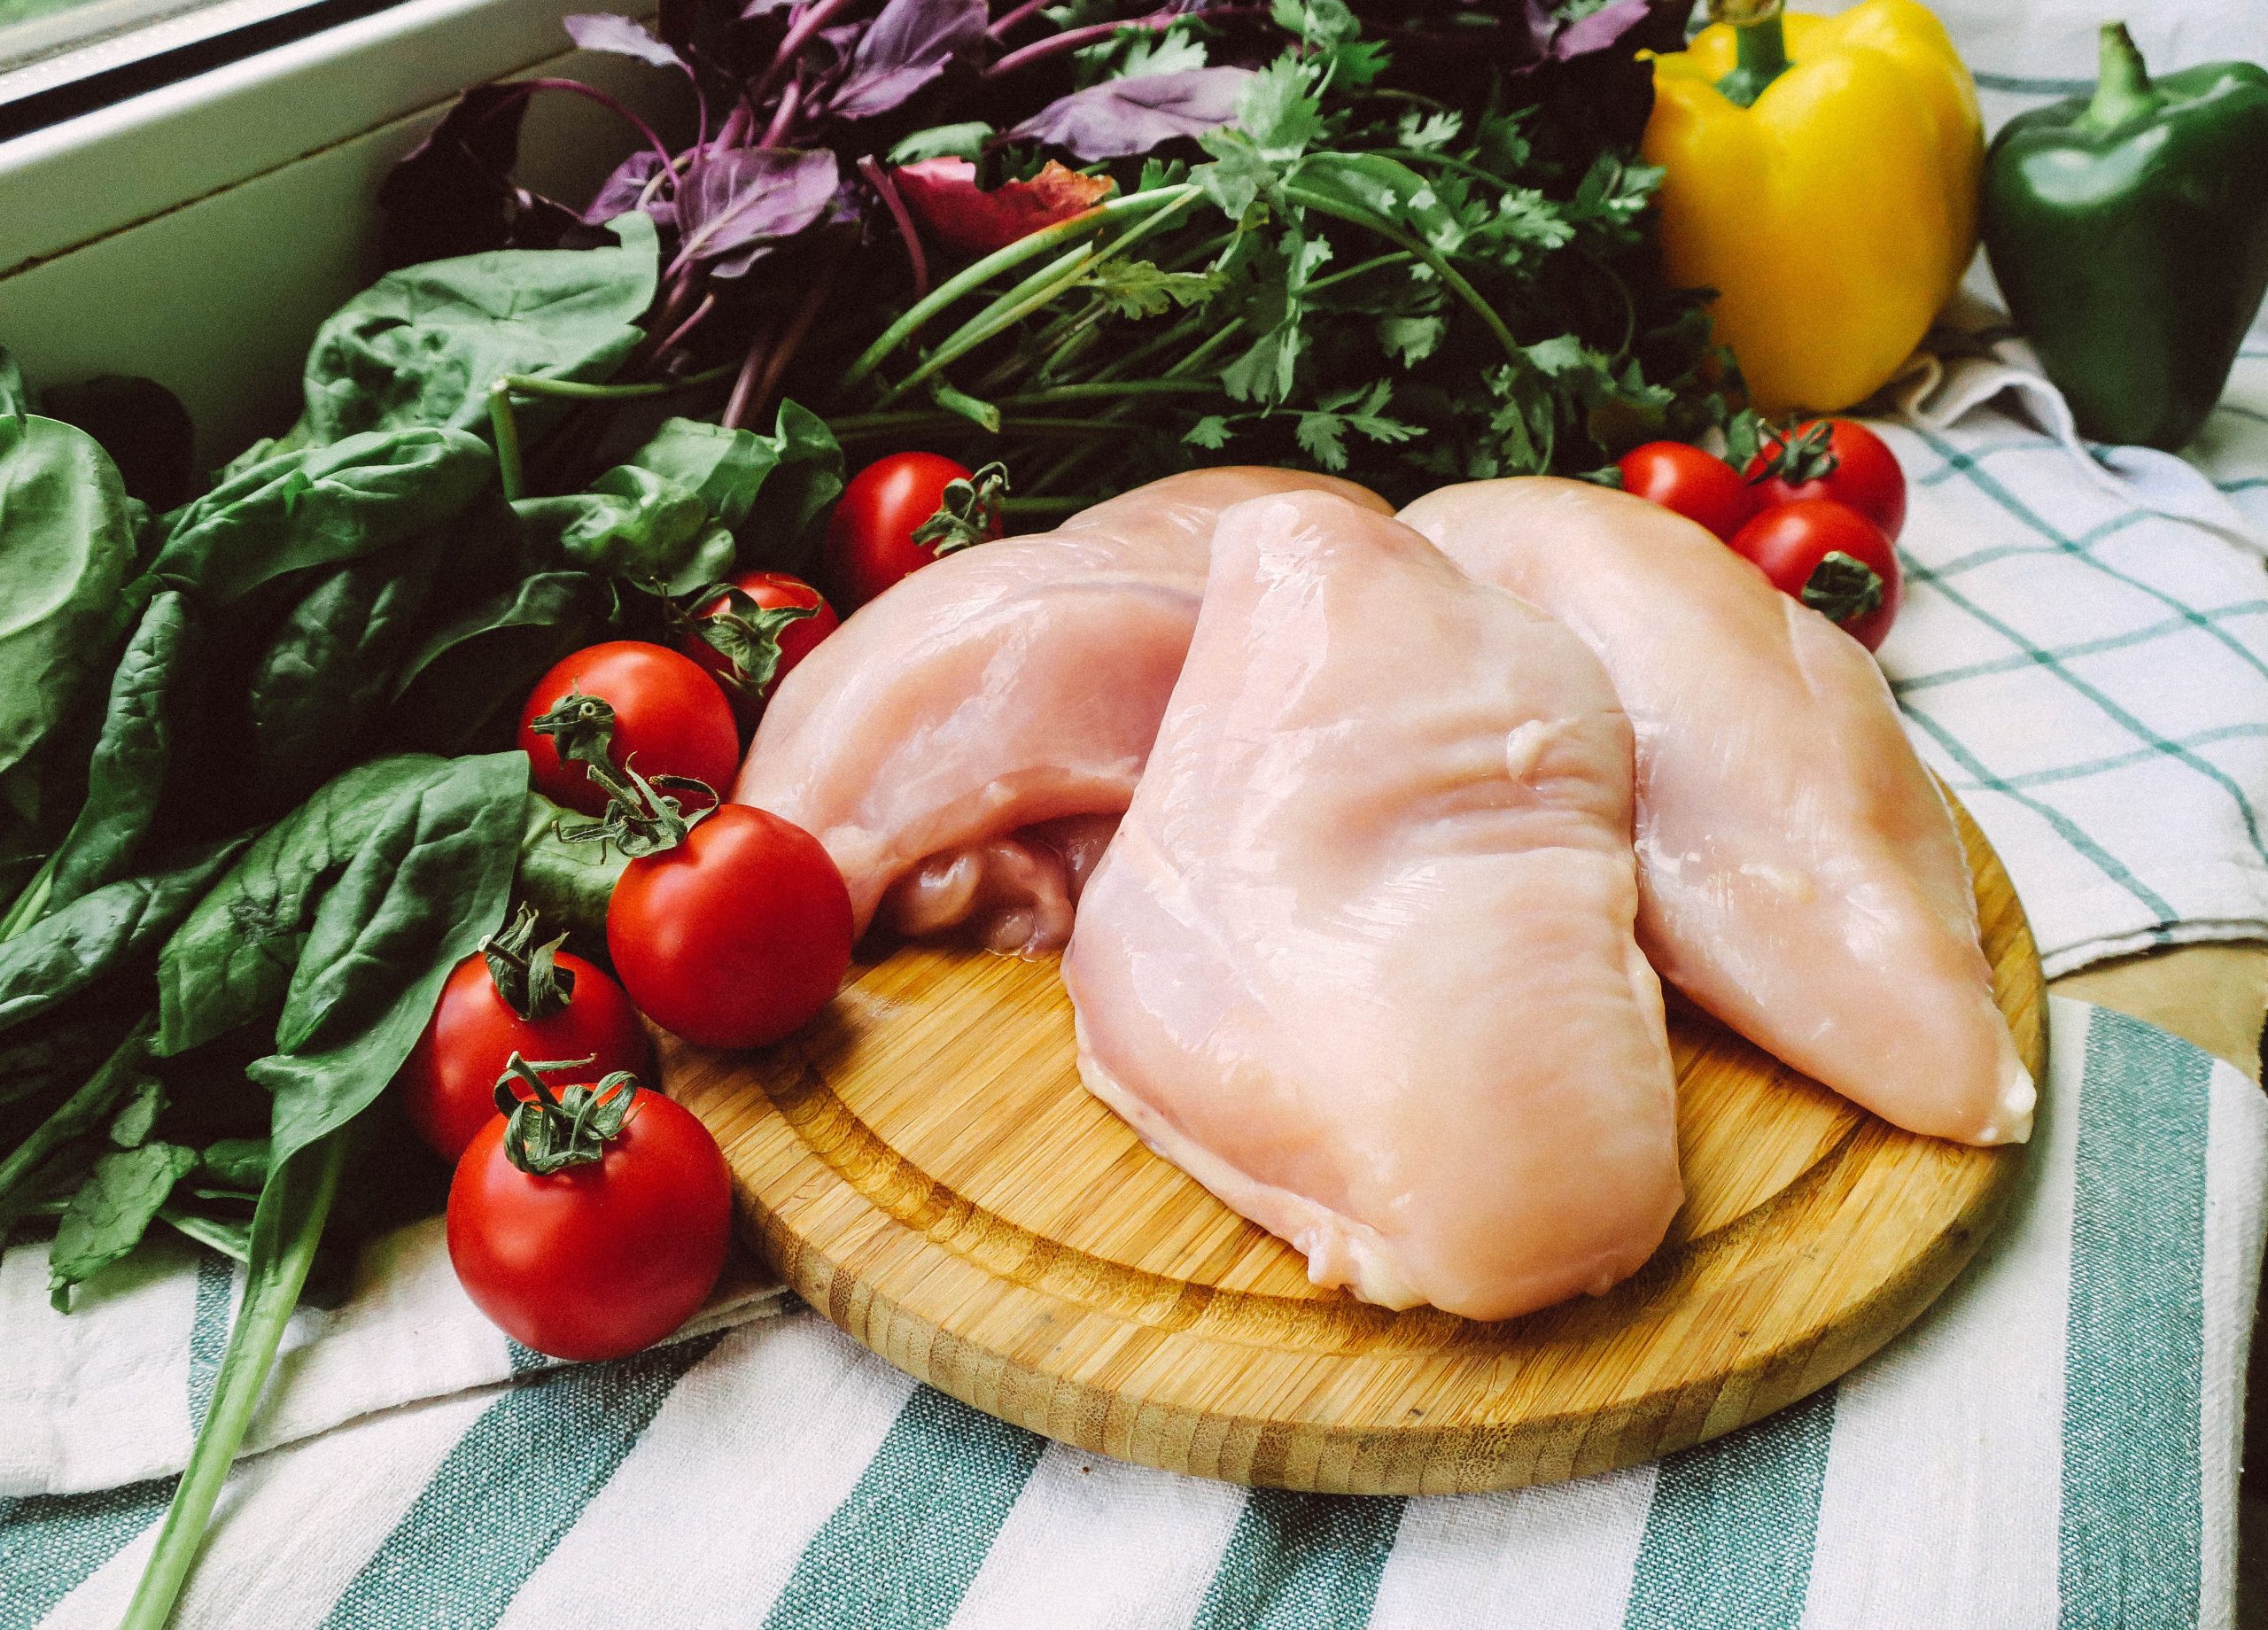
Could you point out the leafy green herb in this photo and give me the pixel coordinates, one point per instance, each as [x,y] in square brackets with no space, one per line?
[321,507]
[425,887]
[632,523]
[330,670]
[468,679]
[421,346]
[111,1211]
[66,555]
[101,932]
[127,774]
[569,883]
[231,961]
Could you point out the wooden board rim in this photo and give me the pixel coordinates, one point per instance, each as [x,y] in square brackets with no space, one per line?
[906,1273]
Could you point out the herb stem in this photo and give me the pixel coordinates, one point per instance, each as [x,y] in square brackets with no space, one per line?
[511,472]
[1433,257]
[293,1207]
[977,274]
[886,189]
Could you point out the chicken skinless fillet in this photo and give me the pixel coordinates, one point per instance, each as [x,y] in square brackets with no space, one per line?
[1007,685]
[1360,960]
[1802,878]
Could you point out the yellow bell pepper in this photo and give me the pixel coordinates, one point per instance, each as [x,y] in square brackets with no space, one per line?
[1822,177]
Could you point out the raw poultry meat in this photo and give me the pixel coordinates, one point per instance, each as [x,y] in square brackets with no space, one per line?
[1803,878]
[1360,958]
[1003,689]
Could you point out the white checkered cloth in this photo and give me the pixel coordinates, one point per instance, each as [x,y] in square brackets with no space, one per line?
[2083,655]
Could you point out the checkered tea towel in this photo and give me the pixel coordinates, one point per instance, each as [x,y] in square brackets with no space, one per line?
[2054,1444]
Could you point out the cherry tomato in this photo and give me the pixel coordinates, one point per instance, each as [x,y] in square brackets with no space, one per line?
[449,1083]
[668,714]
[1865,476]
[769,590]
[1793,543]
[870,542]
[598,1260]
[736,936]
[1698,485]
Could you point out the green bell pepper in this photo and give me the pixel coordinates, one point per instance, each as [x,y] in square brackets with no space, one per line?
[2129,234]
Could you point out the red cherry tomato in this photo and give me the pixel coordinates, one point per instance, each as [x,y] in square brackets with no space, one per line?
[870,542]
[736,936]
[449,1082]
[1865,476]
[769,590]
[1792,543]
[668,714]
[1698,485]
[601,1259]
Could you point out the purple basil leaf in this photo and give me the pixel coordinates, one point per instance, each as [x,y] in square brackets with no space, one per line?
[621,191]
[452,194]
[606,31]
[733,206]
[1121,116]
[904,49]
[763,8]
[1600,30]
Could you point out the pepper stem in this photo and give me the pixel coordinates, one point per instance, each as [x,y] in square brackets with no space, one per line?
[2123,91]
[1761,44]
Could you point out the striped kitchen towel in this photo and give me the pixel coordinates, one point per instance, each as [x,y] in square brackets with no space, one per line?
[2053,1445]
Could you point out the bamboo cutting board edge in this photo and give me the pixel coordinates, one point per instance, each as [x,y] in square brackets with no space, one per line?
[889,1210]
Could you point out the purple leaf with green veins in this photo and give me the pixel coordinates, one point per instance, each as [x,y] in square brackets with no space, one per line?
[734,208]
[1121,116]
[907,47]
[618,35]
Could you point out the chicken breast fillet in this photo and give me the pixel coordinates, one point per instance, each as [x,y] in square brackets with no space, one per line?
[1360,960]
[1802,877]
[1003,689]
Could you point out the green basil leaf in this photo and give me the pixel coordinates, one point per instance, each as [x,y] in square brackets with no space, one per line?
[330,670]
[231,962]
[101,932]
[110,1212]
[469,677]
[421,346]
[427,885]
[148,696]
[321,507]
[66,552]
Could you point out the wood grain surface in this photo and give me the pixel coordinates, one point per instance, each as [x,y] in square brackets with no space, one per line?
[923,1167]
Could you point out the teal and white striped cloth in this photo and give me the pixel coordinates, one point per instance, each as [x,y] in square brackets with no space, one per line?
[2054,1444]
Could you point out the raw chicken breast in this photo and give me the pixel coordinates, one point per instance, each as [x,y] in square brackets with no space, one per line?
[1803,878]
[1005,686]
[1360,958]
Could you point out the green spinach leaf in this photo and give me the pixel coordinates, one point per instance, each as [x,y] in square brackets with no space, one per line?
[111,1211]
[569,883]
[330,670]
[29,1170]
[633,524]
[102,932]
[469,677]
[231,962]
[424,887]
[722,467]
[66,551]
[799,491]
[421,346]
[321,507]
[127,774]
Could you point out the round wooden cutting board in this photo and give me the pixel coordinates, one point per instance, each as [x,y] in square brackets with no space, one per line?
[923,1167]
